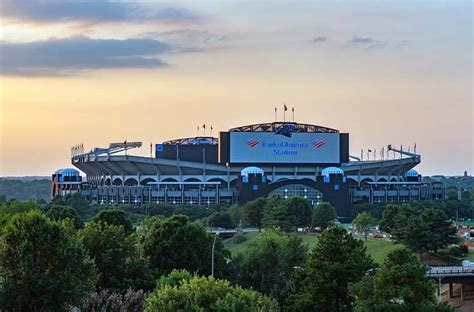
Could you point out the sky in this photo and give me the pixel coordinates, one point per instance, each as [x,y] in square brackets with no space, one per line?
[96,72]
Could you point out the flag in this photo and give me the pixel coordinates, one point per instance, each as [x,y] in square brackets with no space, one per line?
[370,151]
[211,128]
[285,108]
[204,126]
[275,109]
[293,109]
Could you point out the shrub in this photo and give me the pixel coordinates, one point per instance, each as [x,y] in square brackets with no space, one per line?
[131,301]
[464,249]
[455,251]
[239,238]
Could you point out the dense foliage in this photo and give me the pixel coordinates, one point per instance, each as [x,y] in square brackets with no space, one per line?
[25,189]
[220,219]
[400,285]
[177,243]
[43,265]
[116,257]
[337,260]
[49,260]
[428,230]
[180,291]
[363,222]
[269,263]
[324,215]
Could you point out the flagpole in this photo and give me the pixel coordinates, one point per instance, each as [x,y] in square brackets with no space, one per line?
[275,114]
[293,113]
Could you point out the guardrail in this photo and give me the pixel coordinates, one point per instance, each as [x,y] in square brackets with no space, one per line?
[450,271]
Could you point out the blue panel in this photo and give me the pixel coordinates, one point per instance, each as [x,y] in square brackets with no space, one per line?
[344,180]
[264,179]
[255,187]
[159,147]
[245,179]
[336,187]
[326,179]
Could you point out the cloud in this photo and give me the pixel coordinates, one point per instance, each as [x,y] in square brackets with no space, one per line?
[98,11]
[190,40]
[68,56]
[319,39]
[367,42]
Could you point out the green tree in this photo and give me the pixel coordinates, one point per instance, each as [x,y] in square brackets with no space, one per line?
[277,215]
[388,218]
[236,215]
[337,260]
[76,201]
[56,212]
[253,212]
[220,219]
[429,230]
[410,230]
[180,291]
[268,264]
[301,209]
[176,243]
[441,229]
[43,265]
[116,257]
[115,217]
[401,285]
[324,215]
[363,222]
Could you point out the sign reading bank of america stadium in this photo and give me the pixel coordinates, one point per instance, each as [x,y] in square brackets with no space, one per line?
[270,147]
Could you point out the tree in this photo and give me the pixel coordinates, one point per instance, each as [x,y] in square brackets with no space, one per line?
[388,218]
[324,215]
[115,217]
[277,215]
[410,230]
[236,214]
[429,230]
[57,212]
[176,243]
[253,212]
[363,222]
[104,300]
[74,200]
[401,285]
[43,265]
[337,260]
[301,209]
[116,258]
[268,264]
[220,219]
[442,232]
[179,291]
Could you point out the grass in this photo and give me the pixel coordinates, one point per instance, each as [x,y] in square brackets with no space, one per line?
[377,248]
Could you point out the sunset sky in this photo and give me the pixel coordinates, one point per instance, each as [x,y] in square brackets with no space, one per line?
[387,72]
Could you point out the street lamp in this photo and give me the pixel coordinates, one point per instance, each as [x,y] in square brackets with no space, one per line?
[213,248]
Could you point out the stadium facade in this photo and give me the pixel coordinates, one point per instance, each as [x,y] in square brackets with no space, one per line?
[280,158]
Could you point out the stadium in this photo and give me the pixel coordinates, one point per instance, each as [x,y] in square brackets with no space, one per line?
[278,158]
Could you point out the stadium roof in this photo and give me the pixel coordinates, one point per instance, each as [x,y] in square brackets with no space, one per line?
[131,165]
[275,126]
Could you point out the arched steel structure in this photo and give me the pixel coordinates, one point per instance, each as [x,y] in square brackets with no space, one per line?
[274,126]
[193,141]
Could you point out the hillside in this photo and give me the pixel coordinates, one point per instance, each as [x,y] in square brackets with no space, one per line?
[23,189]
